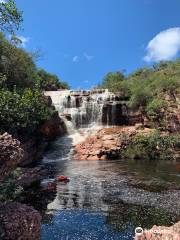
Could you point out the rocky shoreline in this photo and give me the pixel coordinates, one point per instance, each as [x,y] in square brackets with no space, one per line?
[161,233]
[107,143]
[17,220]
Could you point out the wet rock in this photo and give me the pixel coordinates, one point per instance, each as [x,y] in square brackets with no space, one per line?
[118,113]
[35,147]
[62,178]
[32,176]
[11,154]
[33,150]
[19,221]
[53,128]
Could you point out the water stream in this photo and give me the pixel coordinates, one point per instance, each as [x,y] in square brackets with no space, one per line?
[103,199]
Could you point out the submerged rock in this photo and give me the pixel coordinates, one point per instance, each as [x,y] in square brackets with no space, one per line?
[62,179]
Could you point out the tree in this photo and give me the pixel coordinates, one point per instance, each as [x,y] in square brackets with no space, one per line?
[16,65]
[112,81]
[10,17]
[50,82]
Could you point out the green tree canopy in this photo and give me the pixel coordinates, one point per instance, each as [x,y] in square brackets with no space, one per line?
[50,82]
[16,65]
[112,81]
[10,16]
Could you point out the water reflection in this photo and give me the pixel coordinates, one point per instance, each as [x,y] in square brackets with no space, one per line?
[108,199]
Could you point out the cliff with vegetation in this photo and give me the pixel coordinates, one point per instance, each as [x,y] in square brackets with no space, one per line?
[155,91]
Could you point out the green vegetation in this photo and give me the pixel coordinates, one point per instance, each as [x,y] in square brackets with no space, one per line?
[152,146]
[23,107]
[22,112]
[50,82]
[16,66]
[9,189]
[112,81]
[147,87]
[11,17]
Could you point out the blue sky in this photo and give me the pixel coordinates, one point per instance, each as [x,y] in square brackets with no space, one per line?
[82,40]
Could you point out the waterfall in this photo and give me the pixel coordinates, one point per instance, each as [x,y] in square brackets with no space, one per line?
[81,109]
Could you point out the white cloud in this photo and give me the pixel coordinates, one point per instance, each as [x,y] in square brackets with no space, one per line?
[2,1]
[88,57]
[164,46]
[75,59]
[24,40]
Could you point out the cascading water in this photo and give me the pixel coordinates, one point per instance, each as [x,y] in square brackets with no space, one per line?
[83,114]
[82,108]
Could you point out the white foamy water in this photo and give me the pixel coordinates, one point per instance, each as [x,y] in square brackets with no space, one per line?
[80,109]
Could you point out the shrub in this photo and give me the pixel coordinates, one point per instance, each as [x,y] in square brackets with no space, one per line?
[140,97]
[9,189]
[155,106]
[153,146]
[22,113]
[156,112]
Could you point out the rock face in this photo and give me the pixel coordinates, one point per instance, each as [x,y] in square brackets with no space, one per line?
[55,127]
[107,143]
[33,150]
[173,119]
[10,154]
[35,147]
[117,113]
[161,233]
[18,221]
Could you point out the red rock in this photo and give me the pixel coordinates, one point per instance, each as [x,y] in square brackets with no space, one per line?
[62,178]
[107,143]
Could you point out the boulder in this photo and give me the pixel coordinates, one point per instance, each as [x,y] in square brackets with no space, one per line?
[161,233]
[11,154]
[32,176]
[19,221]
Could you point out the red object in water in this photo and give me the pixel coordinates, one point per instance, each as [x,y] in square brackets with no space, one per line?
[62,179]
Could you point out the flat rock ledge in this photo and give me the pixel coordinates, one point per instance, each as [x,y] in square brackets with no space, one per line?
[161,233]
[107,143]
[19,222]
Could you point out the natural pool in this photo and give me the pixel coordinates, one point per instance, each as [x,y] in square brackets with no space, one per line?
[109,199]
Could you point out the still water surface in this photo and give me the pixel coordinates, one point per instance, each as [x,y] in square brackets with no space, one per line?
[108,199]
